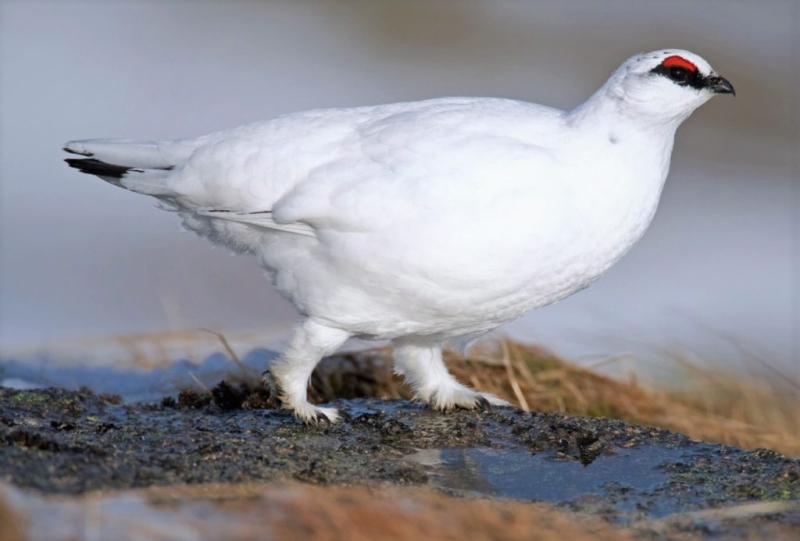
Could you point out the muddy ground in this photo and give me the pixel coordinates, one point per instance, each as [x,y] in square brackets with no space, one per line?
[55,441]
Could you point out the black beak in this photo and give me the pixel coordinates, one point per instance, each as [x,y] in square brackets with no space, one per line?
[720,85]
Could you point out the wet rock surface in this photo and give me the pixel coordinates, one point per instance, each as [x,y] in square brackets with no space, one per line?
[63,442]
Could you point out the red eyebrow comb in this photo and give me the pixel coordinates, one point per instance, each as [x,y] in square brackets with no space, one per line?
[679,62]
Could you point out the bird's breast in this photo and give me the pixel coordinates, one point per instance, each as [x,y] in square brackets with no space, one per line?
[614,194]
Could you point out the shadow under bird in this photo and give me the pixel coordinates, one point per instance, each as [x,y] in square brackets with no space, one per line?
[424,222]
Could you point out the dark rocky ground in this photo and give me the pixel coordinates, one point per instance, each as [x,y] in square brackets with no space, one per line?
[63,442]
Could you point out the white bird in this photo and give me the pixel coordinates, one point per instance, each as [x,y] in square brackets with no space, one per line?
[424,222]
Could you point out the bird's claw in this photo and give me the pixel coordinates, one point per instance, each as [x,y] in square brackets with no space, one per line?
[319,419]
[481,404]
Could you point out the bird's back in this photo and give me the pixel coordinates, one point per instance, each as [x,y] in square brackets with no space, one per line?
[254,166]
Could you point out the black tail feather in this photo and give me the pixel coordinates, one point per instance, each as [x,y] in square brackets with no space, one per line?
[96,167]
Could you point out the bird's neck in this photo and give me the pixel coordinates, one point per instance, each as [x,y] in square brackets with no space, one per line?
[610,107]
[625,161]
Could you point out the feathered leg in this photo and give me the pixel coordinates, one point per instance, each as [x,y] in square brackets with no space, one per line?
[425,371]
[291,373]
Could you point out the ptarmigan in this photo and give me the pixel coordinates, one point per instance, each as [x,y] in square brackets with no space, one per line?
[429,221]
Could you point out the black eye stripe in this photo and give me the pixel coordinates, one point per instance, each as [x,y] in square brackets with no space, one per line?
[681,76]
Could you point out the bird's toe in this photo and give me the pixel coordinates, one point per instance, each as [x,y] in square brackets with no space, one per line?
[316,416]
[494,401]
[463,397]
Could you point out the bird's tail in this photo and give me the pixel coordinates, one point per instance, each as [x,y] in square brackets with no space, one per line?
[143,167]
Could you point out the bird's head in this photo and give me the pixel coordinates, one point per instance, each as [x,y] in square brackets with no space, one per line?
[666,85]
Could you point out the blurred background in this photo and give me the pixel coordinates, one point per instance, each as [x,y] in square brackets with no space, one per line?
[716,277]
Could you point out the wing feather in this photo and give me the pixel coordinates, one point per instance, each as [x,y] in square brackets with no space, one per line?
[260,219]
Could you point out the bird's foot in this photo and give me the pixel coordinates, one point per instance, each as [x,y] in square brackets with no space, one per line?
[314,415]
[461,396]
[303,410]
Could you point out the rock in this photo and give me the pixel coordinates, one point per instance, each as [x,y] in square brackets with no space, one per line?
[626,474]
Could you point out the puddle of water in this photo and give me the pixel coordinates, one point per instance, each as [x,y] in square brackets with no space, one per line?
[516,473]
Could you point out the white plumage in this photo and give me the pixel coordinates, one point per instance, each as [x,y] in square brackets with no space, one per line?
[428,221]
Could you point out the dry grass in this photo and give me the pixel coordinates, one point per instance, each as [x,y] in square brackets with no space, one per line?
[746,410]
[295,511]
[12,524]
[356,513]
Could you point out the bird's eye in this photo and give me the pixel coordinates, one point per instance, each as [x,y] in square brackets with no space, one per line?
[678,74]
